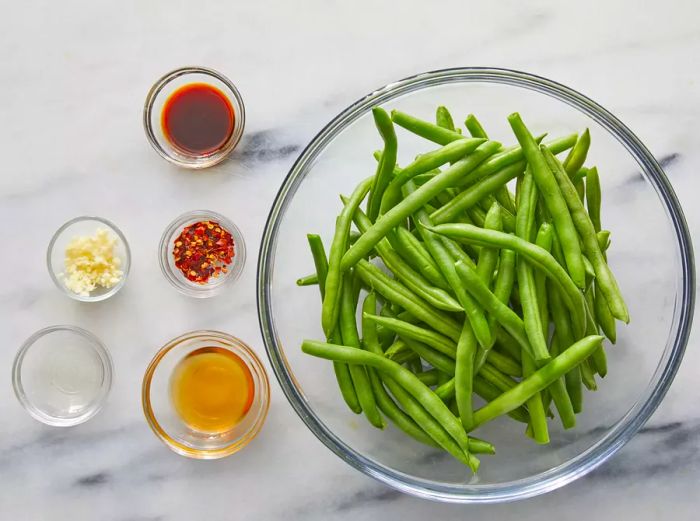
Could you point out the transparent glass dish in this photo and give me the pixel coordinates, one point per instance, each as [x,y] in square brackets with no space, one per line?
[62,375]
[163,418]
[215,284]
[86,225]
[159,94]
[651,254]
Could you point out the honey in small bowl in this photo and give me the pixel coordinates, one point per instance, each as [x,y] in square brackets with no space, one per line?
[212,389]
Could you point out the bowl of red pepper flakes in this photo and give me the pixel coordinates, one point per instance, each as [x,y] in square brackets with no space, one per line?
[200,252]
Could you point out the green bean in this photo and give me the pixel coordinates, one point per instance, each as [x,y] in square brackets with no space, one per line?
[580,175]
[577,156]
[526,282]
[485,390]
[503,314]
[544,241]
[435,358]
[557,391]
[503,287]
[605,278]
[539,380]
[402,376]
[413,202]
[341,370]
[384,401]
[425,129]
[598,360]
[456,252]
[392,411]
[443,119]
[474,126]
[505,342]
[512,157]
[396,348]
[502,194]
[475,315]
[464,372]
[318,253]
[575,160]
[446,390]
[421,179]
[427,336]
[593,197]
[425,163]
[397,293]
[492,375]
[477,215]
[385,168]
[539,258]
[429,377]
[351,338]
[531,308]
[436,297]
[565,339]
[587,376]
[602,312]
[415,254]
[553,200]
[488,257]
[471,196]
[386,336]
[489,393]
[603,315]
[478,446]
[429,424]
[535,407]
[334,278]
[504,363]
[308,280]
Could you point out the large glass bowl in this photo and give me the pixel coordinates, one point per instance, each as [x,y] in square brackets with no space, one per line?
[651,255]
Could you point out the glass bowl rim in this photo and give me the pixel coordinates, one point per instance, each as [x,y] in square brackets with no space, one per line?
[204,290]
[238,124]
[125,267]
[236,345]
[34,411]
[624,429]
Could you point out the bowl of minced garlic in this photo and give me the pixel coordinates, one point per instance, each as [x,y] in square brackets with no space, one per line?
[88,258]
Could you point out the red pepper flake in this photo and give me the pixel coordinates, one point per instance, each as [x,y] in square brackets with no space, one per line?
[203,250]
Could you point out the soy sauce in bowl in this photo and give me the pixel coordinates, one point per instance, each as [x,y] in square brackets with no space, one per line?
[198,119]
[194,117]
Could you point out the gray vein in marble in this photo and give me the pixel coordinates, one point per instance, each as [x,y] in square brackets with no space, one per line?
[264,145]
[667,448]
[666,161]
[367,496]
[93,480]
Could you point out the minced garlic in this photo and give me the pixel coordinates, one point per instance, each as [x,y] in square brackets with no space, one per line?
[90,262]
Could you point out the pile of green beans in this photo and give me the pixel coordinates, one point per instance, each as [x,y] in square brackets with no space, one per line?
[475,302]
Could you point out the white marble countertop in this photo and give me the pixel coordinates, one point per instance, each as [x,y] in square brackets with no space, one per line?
[73,79]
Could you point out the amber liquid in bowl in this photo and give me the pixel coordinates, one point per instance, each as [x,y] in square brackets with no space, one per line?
[211,390]
[198,119]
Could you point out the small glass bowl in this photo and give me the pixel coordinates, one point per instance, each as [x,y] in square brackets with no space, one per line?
[164,420]
[62,375]
[175,276]
[85,225]
[161,91]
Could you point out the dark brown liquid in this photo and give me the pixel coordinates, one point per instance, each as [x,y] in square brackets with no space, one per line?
[198,119]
